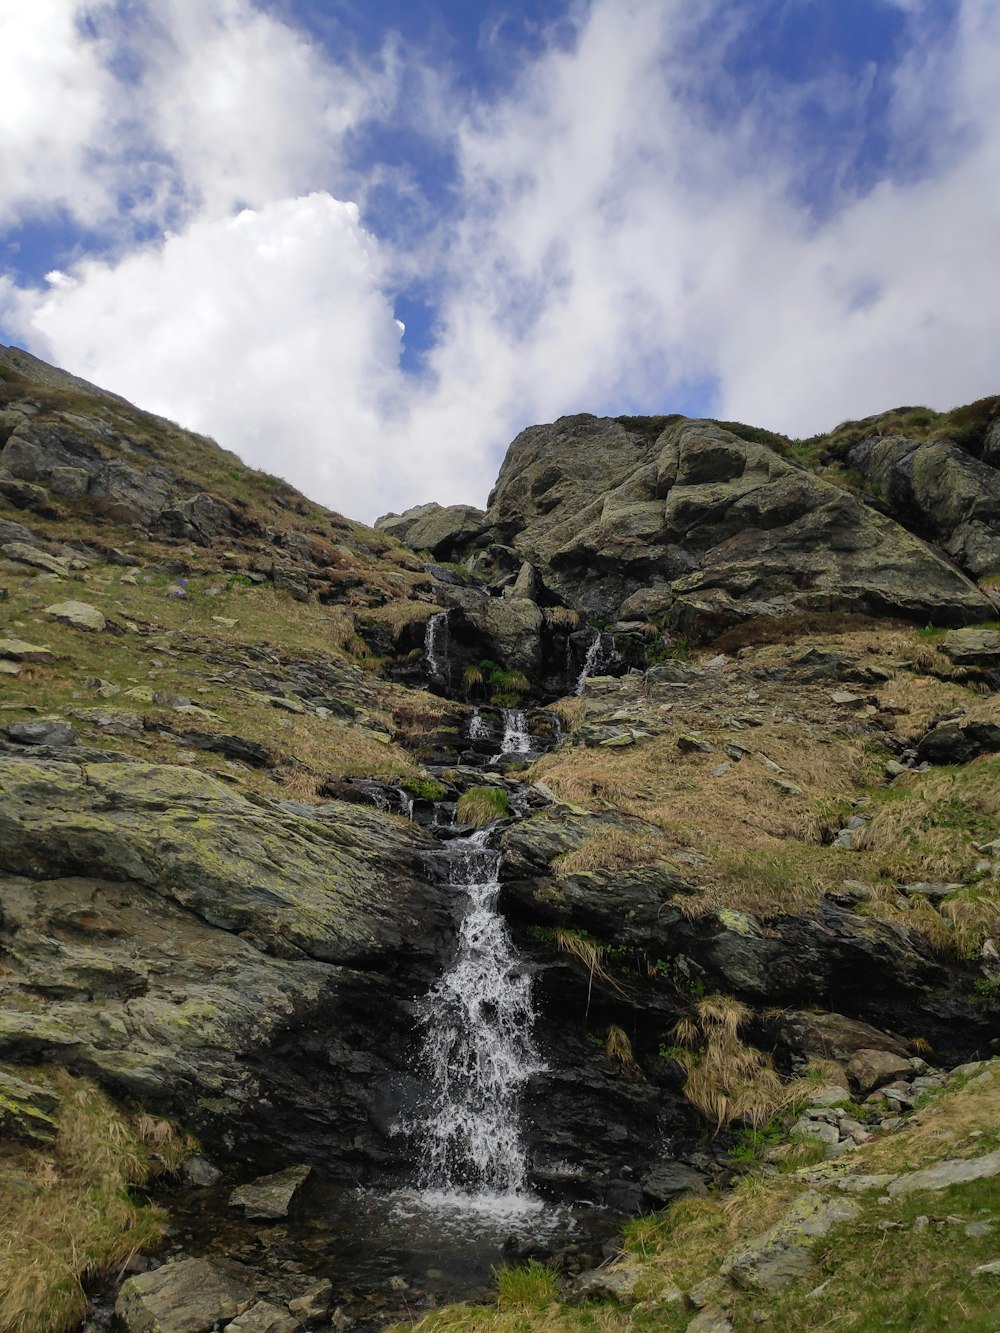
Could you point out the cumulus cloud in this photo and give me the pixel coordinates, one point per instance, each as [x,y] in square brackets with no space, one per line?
[630,232]
[57,113]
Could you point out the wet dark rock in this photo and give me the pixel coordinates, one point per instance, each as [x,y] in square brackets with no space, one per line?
[271,1196]
[232,747]
[956,742]
[263,1317]
[670,1180]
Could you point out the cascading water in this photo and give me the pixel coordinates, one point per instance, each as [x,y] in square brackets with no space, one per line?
[515,732]
[478,726]
[590,662]
[436,644]
[478,1049]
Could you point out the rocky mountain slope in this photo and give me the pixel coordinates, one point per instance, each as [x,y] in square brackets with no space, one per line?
[757,681]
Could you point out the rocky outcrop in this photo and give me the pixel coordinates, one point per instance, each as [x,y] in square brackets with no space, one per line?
[444,530]
[940,491]
[191,947]
[706,529]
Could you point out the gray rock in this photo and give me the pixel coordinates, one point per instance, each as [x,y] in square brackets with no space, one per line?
[16,532]
[441,529]
[315,1302]
[271,1196]
[669,1180]
[784,1252]
[990,1269]
[710,1321]
[190,1296]
[972,647]
[41,733]
[72,482]
[871,1069]
[953,1171]
[731,528]
[19,650]
[81,615]
[26,1110]
[34,556]
[264,1318]
[200,1172]
[615,1282]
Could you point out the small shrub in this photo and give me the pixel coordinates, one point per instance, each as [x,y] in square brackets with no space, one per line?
[530,1286]
[482,805]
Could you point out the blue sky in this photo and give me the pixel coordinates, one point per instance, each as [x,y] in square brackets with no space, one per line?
[785,211]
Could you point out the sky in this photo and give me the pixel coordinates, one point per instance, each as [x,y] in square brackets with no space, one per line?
[363,243]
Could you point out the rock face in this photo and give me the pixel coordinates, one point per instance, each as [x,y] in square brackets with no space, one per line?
[940,491]
[706,528]
[187,1297]
[187,946]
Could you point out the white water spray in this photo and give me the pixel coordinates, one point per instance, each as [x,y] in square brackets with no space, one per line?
[515,732]
[590,662]
[478,1048]
[478,726]
[436,644]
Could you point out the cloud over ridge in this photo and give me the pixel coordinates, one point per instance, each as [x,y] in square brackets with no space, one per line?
[631,225]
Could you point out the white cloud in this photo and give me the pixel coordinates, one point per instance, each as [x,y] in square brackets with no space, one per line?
[617,240]
[57,108]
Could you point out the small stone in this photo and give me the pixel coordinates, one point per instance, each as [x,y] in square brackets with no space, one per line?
[978,1229]
[720,769]
[870,1068]
[81,615]
[34,556]
[264,1318]
[271,1196]
[894,769]
[315,1302]
[990,1269]
[693,745]
[200,1172]
[710,1321]
[845,699]
[953,1171]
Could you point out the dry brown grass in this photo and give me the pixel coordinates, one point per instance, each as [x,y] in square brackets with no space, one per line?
[727,1080]
[570,712]
[400,613]
[75,1219]
[615,849]
[562,617]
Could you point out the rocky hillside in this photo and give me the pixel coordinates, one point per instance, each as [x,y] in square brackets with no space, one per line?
[754,823]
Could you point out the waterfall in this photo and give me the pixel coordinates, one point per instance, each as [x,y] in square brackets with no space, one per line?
[478,1048]
[436,644]
[478,726]
[590,662]
[515,732]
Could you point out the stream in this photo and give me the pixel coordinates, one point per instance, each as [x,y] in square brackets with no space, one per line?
[396,1246]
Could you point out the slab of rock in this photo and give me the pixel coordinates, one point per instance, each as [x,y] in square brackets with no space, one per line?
[954,1171]
[710,1321]
[441,529]
[191,1296]
[989,1269]
[81,615]
[26,1110]
[42,733]
[34,556]
[616,1282]
[271,1196]
[18,650]
[972,647]
[784,1252]
[264,1318]
[871,1069]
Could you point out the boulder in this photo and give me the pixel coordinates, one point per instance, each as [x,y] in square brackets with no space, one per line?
[43,732]
[81,615]
[19,650]
[24,554]
[444,530]
[669,1180]
[871,1069]
[972,647]
[190,1296]
[271,1196]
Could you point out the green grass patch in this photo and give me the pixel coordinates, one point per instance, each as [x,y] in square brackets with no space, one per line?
[483,805]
